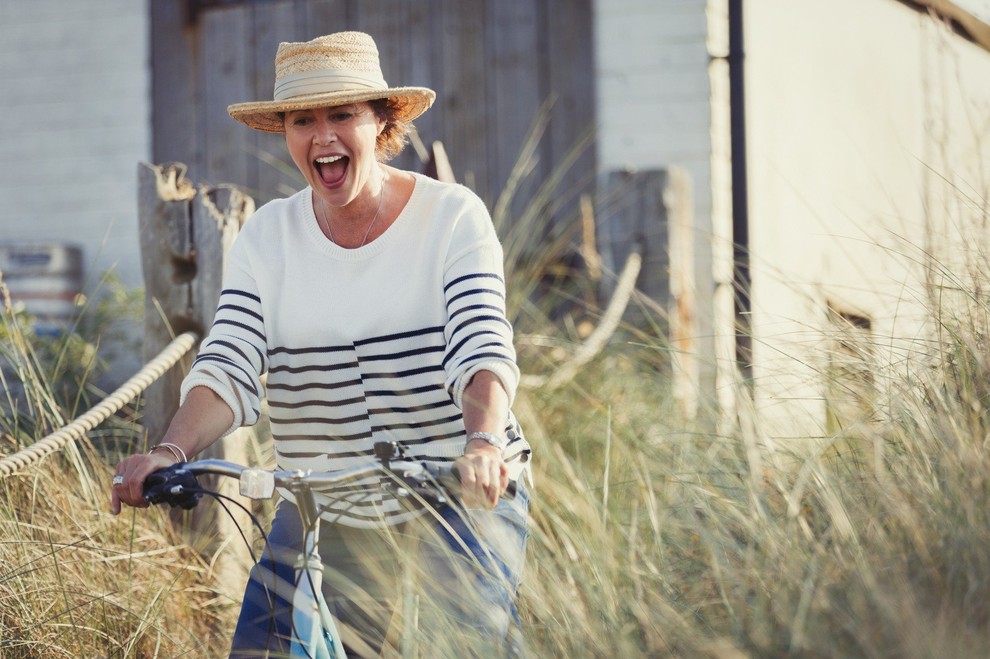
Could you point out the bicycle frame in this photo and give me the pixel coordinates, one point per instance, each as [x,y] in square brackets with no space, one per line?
[314,631]
[320,641]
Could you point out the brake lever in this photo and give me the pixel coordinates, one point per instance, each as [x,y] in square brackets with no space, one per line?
[175,485]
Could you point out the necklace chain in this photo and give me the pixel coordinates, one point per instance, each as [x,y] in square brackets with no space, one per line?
[381,202]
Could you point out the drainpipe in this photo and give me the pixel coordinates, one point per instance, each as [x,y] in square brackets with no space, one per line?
[740,215]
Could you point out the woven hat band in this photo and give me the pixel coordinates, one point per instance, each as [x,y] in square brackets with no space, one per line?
[306,83]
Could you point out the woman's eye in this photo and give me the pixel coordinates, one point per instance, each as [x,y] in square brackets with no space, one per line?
[300,121]
[341,117]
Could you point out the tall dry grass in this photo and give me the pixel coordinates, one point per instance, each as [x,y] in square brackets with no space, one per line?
[653,540]
[76,581]
[651,535]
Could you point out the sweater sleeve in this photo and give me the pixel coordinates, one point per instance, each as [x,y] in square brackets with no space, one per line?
[477,332]
[234,354]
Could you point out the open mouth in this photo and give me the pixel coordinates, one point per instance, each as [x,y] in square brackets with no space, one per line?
[332,169]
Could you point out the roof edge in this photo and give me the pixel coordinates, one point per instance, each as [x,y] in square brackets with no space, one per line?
[965,23]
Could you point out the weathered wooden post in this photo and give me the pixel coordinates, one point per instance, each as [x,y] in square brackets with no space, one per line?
[650,213]
[185,234]
[438,164]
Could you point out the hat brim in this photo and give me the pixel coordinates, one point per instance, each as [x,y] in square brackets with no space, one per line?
[267,115]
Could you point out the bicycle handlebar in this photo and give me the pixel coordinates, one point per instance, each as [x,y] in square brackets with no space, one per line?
[420,480]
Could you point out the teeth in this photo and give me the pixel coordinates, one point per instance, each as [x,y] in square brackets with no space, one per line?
[326,160]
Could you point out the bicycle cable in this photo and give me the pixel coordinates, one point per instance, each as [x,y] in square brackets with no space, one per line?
[416,488]
[223,500]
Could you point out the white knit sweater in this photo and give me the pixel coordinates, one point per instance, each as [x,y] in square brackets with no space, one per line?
[361,345]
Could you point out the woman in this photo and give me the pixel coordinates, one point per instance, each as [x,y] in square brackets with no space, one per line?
[374,301]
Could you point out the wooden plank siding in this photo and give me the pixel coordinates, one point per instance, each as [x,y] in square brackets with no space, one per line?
[493,63]
[514,89]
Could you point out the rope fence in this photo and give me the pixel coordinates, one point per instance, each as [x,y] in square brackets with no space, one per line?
[75,430]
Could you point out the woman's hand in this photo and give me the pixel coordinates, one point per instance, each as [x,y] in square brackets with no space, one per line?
[134,470]
[201,419]
[483,474]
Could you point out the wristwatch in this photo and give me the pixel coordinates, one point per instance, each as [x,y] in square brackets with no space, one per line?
[498,441]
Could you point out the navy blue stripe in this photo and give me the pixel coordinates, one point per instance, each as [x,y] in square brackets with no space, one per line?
[220,359]
[317,403]
[473,292]
[477,275]
[485,355]
[364,453]
[475,307]
[405,392]
[317,350]
[207,356]
[460,344]
[236,291]
[433,438]
[315,385]
[404,374]
[479,319]
[221,321]
[420,424]
[319,419]
[322,437]
[240,309]
[230,346]
[410,410]
[319,454]
[398,336]
[316,368]
[402,355]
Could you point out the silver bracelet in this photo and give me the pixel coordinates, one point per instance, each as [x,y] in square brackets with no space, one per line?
[174,449]
[498,441]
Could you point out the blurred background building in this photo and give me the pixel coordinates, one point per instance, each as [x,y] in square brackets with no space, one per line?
[820,139]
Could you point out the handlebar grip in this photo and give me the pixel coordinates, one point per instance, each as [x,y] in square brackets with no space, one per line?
[510,491]
[175,485]
[444,473]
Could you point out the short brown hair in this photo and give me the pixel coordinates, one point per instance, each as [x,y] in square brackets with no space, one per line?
[395,135]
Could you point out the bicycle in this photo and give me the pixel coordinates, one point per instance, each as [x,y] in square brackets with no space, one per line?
[314,633]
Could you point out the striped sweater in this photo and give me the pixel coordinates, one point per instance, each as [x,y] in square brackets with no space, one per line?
[364,345]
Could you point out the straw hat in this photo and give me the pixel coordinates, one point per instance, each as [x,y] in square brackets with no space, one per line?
[335,69]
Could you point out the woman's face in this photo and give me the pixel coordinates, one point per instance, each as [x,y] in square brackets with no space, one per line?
[334,148]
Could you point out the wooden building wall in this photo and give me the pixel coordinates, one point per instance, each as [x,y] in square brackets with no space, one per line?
[493,63]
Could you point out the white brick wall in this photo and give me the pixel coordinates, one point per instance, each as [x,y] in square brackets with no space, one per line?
[75,100]
[654,104]
[652,79]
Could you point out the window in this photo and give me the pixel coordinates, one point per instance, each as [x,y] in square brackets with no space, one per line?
[849,379]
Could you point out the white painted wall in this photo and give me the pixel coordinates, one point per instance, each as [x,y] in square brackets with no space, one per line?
[75,81]
[653,108]
[868,128]
[979,8]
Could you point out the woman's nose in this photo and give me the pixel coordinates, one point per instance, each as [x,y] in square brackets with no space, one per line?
[325,133]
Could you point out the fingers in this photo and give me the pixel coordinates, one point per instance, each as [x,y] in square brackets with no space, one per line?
[484,478]
[127,486]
